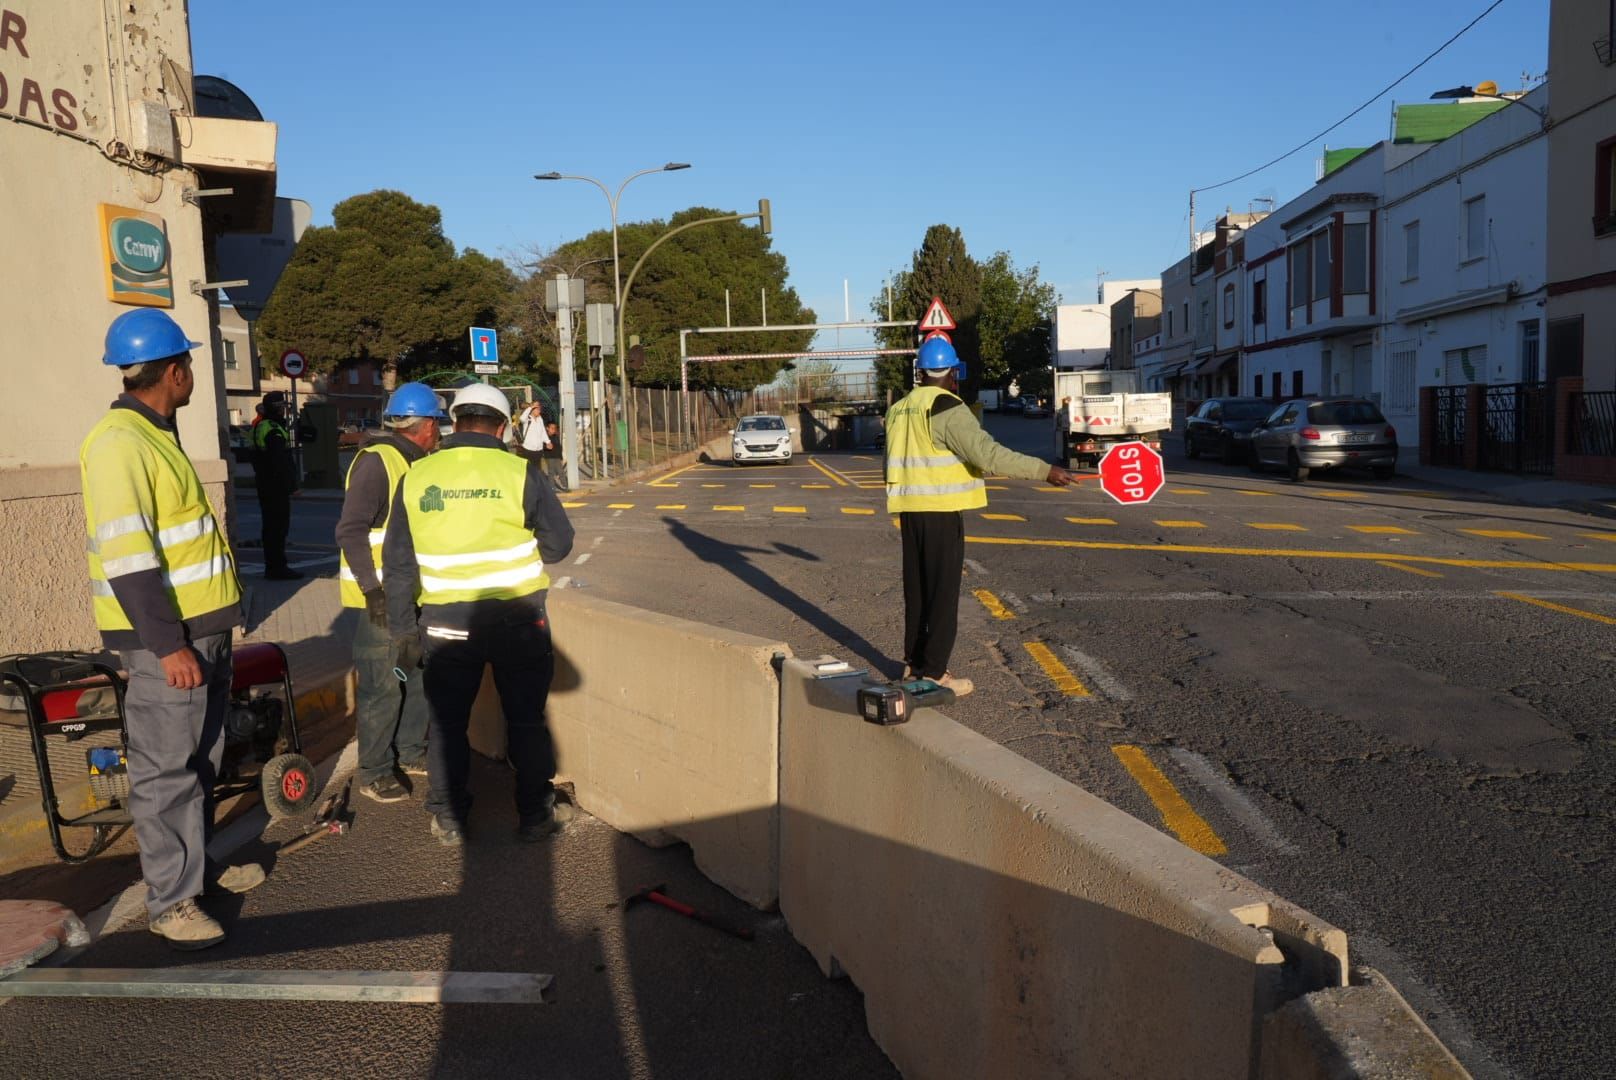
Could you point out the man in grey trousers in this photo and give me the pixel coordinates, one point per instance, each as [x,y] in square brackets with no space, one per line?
[166,598]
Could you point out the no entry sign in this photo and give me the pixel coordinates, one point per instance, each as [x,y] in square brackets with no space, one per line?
[292,364]
[1132,472]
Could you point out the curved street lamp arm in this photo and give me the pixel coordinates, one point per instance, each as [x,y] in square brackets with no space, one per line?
[622,345]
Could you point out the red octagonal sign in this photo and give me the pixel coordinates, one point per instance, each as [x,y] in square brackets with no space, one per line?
[1132,472]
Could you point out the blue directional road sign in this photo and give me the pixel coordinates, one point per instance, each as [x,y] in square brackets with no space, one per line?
[484,350]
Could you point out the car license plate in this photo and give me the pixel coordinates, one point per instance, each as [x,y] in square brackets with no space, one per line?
[1356,437]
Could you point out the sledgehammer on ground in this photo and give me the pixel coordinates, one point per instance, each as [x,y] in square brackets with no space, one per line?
[655,895]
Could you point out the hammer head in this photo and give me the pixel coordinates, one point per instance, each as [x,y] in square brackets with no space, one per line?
[643,894]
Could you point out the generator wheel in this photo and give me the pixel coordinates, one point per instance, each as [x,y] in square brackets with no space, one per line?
[289,785]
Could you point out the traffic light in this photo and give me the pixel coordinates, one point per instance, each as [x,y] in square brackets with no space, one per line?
[765,219]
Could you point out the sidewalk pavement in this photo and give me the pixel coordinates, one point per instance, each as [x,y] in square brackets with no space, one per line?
[640,991]
[1517,488]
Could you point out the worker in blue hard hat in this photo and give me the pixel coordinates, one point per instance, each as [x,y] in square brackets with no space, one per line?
[392,711]
[936,457]
[166,598]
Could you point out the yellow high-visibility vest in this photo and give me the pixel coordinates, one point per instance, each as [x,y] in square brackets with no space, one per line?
[264,429]
[145,509]
[396,465]
[466,518]
[922,476]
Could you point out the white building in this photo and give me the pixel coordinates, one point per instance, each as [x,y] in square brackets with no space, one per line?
[1464,262]
[1080,336]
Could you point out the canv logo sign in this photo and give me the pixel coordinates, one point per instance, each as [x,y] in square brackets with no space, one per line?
[135,250]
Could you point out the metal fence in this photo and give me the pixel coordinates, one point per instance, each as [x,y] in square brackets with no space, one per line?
[1518,430]
[1591,425]
[1447,448]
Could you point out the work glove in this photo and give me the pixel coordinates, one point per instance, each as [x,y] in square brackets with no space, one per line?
[376,607]
[407,652]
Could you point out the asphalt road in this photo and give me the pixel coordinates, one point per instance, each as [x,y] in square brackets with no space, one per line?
[1386,702]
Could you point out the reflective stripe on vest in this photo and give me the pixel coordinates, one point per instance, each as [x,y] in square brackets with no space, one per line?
[922,476]
[145,509]
[396,465]
[466,517]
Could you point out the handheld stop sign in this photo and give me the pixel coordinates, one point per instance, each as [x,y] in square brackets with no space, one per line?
[1132,473]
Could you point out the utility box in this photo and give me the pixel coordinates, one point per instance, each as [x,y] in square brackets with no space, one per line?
[321,468]
[552,293]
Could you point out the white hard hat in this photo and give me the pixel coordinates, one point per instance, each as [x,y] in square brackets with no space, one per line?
[481,394]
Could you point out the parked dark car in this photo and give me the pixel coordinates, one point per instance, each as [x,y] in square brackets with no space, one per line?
[1325,433]
[1014,405]
[1222,427]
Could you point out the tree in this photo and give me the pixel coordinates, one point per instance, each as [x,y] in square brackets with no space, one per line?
[681,287]
[940,267]
[1015,321]
[383,283]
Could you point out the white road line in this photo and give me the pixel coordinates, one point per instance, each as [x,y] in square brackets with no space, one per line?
[561,583]
[580,560]
[977,568]
[1216,783]
[595,543]
[1016,602]
[1098,675]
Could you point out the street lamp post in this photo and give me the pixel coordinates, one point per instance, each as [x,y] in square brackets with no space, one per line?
[617,273]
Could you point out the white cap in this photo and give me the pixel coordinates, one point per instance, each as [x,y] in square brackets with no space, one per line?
[484,395]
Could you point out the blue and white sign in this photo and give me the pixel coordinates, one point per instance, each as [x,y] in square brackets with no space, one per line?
[484,350]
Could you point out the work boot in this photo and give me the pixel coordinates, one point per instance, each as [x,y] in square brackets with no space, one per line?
[960,685]
[448,831]
[385,789]
[560,816]
[234,879]
[186,926]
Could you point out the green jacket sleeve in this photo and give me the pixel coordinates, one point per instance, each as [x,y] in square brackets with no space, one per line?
[958,430]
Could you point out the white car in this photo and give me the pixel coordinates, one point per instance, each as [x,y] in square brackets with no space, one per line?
[760,438]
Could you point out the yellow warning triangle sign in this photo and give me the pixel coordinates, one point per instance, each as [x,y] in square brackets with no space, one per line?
[937,316]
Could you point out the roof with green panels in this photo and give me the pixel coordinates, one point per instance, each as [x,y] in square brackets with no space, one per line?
[1334,159]
[1433,123]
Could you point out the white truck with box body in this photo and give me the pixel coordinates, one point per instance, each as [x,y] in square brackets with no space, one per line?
[1096,409]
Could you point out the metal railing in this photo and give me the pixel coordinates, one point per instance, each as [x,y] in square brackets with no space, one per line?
[1591,425]
[1518,430]
[1447,447]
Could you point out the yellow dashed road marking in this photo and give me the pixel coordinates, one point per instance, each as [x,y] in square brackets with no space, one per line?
[1276,526]
[1259,494]
[1186,491]
[760,485]
[790,509]
[1058,673]
[995,607]
[731,509]
[712,485]
[670,506]
[1388,530]
[841,481]
[816,487]
[1343,495]
[1578,612]
[619,506]
[857,510]
[1407,569]
[1181,524]
[997,487]
[1003,517]
[572,505]
[1608,537]
[1302,553]
[662,481]
[1091,521]
[1503,534]
[1191,828]
[1049,489]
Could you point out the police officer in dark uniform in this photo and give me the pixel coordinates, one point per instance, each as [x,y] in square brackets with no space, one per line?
[276,472]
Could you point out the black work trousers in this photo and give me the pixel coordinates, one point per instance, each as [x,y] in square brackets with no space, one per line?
[933,559]
[523,664]
[275,507]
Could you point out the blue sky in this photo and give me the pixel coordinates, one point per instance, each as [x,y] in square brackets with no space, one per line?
[1067,133]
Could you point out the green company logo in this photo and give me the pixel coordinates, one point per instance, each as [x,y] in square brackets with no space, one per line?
[431,499]
[139,246]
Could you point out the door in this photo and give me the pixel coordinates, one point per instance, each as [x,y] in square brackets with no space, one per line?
[1362,371]
[1269,441]
[1565,348]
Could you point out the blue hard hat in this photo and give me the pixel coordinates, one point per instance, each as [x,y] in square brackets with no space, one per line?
[144,334]
[935,354]
[414,399]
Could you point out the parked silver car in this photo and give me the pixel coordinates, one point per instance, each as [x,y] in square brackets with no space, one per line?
[1325,433]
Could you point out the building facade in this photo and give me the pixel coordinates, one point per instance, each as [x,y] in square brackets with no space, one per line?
[1135,318]
[1580,336]
[98,163]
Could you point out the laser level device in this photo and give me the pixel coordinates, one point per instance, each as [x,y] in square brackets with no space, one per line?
[894,702]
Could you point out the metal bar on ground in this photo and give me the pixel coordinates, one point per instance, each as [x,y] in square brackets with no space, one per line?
[409,987]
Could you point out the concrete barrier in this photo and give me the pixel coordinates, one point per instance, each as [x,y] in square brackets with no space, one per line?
[668,730]
[1003,922]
